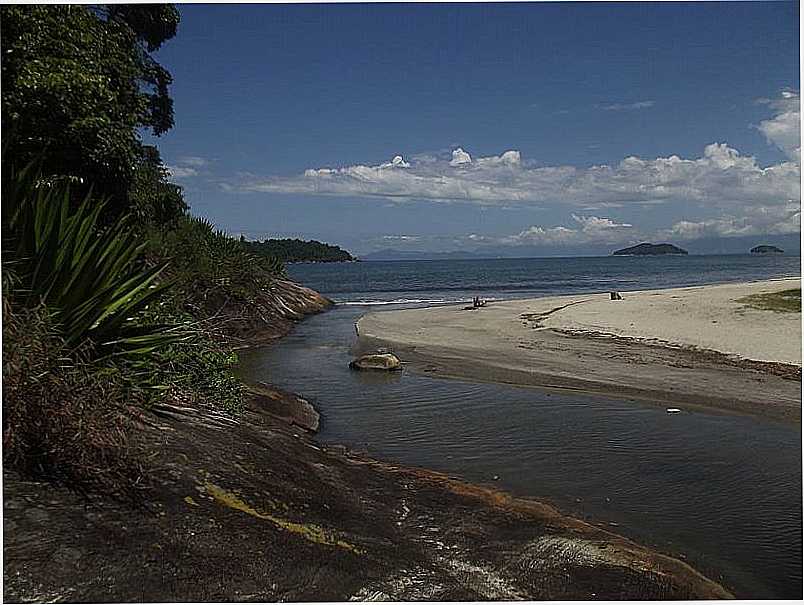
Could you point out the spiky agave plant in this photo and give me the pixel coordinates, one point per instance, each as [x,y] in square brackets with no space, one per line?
[88,276]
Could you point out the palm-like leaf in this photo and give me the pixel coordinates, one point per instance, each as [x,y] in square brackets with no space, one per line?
[90,277]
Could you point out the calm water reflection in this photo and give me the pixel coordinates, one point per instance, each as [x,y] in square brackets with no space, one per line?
[723,491]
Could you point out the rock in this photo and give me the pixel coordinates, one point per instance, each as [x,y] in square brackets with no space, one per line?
[377,361]
[287,406]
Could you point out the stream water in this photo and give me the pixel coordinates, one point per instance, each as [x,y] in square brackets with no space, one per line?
[721,491]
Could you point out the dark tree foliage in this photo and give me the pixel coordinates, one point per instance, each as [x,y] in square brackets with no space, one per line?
[78,83]
[296,250]
[153,199]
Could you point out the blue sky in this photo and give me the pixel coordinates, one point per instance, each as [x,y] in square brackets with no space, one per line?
[702,97]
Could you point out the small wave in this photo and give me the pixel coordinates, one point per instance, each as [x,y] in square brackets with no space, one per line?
[402,301]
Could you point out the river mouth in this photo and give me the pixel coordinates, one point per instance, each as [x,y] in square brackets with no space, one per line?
[721,491]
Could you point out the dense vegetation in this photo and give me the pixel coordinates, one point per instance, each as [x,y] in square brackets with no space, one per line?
[296,250]
[114,297]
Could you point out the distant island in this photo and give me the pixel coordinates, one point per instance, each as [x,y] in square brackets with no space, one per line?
[298,251]
[647,249]
[765,249]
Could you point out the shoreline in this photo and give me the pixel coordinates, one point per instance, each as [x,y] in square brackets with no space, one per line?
[256,509]
[564,342]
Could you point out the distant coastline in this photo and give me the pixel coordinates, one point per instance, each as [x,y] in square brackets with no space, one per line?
[424,256]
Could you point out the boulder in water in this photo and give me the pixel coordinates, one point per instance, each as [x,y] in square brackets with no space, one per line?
[377,361]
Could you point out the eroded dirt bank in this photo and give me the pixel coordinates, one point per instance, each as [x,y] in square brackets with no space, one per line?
[256,510]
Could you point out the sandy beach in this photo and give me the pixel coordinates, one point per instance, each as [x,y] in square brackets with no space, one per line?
[695,346]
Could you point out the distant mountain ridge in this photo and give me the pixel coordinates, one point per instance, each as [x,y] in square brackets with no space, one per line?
[392,254]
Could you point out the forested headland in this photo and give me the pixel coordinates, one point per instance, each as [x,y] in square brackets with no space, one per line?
[115,298]
[298,251]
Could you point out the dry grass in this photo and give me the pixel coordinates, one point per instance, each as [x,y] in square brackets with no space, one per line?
[64,419]
[785,301]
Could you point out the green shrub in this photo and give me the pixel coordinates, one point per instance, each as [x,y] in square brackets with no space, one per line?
[203,374]
[208,264]
[65,418]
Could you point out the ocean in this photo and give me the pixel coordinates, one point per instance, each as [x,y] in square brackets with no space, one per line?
[722,491]
[447,281]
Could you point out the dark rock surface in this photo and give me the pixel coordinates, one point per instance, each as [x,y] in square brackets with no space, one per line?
[287,406]
[259,512]
[649,250]
[272,315]
[253,509]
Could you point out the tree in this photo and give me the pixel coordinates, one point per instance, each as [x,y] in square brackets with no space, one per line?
[78,82]
[153,199]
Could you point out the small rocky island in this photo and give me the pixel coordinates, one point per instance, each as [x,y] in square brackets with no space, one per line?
[647,249]
[765,249]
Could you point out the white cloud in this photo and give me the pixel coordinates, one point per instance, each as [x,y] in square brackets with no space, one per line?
[181,172]
[459,157]
[396,162]
[593,223]
[721,177]
[628,106]
[720,181]
[187,166]
[590,229]
[760,220]
[783,130]
[193,160]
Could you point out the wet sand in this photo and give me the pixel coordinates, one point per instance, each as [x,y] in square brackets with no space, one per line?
[694,346]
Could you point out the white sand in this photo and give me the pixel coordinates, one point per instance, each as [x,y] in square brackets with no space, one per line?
[587,342]
[705,317]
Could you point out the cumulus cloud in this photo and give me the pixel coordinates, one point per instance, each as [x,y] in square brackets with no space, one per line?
[598,230]
[720,180]
[721,177]
[627,106]
[459,157]
[783,130]
[589,229]
[758,221]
